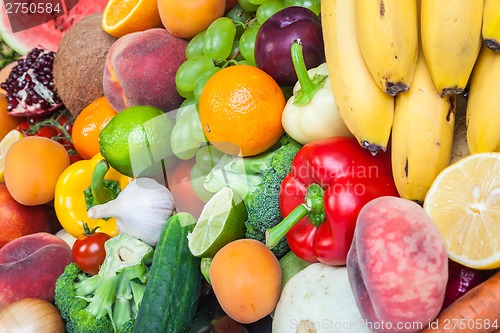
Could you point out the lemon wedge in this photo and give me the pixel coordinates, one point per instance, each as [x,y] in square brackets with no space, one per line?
[8,140]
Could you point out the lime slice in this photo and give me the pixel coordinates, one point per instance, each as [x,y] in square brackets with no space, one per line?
[221,221]
[464,202]
[8,140]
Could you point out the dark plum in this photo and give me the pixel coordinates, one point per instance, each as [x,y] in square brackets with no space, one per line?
[275,38]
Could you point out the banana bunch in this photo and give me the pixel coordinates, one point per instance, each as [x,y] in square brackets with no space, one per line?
[397,68]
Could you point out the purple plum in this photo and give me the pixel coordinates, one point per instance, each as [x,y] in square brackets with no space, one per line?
[275,38]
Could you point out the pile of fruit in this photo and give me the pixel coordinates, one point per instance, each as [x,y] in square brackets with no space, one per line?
[251,166]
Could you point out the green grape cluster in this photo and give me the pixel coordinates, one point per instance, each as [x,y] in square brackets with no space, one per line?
[229,40]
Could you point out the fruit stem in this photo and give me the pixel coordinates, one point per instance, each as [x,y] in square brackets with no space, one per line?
[100,192]
[312,208]
[308,87]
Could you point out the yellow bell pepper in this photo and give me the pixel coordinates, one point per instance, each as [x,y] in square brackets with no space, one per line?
[69,201]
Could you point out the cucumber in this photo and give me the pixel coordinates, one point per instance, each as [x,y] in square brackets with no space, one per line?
[291,265]
[173,287]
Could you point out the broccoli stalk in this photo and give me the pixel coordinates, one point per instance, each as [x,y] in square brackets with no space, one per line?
[112,297]
[257,180]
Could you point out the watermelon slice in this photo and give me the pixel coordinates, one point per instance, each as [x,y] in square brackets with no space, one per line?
[48,35]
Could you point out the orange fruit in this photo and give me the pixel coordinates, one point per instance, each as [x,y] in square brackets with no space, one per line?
[89,124]
[7,122]
[185,19]
[32,166]
[240,110]
[121,17]
[246,279]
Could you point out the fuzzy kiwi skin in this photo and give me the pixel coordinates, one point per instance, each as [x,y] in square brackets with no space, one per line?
[79,63]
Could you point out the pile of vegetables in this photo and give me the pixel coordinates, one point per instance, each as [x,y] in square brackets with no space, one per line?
[132,269]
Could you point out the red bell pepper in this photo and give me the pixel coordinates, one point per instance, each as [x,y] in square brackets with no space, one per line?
[330,181]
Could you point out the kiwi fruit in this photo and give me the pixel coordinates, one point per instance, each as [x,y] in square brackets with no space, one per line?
[79,63]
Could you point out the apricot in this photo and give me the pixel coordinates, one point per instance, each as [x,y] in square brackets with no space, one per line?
[246,279]
[32,166]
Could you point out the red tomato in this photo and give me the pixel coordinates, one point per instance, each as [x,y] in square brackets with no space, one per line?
[58,129]
[28,128]
[89,253]
[179,183]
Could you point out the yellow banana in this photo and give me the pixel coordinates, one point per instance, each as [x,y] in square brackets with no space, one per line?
[388,37]
[422,135]
[367,111]
[451,40]
[491,24]
[483,106]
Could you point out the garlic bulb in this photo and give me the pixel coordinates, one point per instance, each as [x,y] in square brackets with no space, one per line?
[141,209]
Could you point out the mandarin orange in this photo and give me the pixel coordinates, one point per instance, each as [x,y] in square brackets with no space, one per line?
[240,110]
[89,124]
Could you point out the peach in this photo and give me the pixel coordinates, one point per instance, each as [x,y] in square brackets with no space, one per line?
[397,266]
[30,266]
[17,220]
[140,69]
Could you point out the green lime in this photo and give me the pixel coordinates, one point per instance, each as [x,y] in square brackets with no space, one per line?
[221,221]
[135,142]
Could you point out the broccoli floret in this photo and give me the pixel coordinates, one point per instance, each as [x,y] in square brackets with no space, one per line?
[263,205]
[257,180]
[108,301]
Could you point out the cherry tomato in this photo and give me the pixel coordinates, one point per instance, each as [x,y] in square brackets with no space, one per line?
[89,253]
[74,157]
[56,127]
[27,128]
[179,183]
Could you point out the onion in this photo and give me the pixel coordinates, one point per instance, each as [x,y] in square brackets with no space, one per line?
[461,279]
[31,315]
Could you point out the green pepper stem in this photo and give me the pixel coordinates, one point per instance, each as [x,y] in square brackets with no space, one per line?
[312,208]
[308,87]
[101,193]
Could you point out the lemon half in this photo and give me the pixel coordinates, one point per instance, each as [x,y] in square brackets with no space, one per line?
[464,202]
